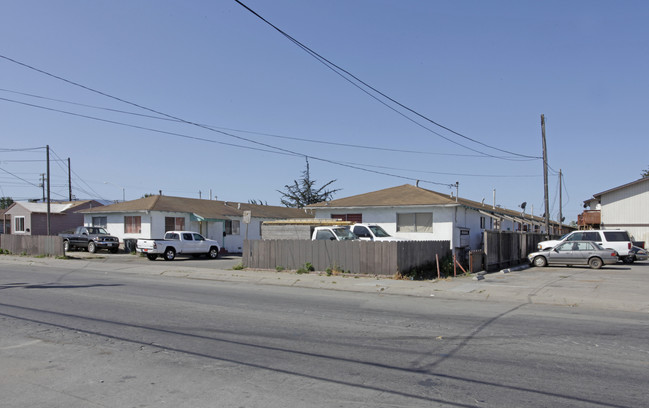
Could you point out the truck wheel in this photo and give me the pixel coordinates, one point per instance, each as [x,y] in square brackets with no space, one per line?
[152,257]
[92,248]
[214,253]
[66,246]
[169,254]
[628,259]
[595,263]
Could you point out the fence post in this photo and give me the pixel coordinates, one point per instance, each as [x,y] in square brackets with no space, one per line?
[437,259]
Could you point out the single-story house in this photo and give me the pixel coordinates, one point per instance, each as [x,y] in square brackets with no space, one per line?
[28,218]
[624,207]
[416,213]
[151,217]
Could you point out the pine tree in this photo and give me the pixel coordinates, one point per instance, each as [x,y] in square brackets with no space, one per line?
[304,192]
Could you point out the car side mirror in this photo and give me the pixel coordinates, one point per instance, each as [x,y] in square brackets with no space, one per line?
[332,239]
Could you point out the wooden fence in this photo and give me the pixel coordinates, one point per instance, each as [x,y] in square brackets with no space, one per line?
[32,244]
[508,248]
[361,257]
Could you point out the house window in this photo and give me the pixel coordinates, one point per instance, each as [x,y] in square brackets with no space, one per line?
[19,224]
[100,222]
[174,223]
[358,218]
[232,227]
[132,224]
[415,222]
[483,222]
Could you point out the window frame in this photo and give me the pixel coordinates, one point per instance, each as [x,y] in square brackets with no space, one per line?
[99,224]
[22,219]
[132,224]
[232,227]
[419,222]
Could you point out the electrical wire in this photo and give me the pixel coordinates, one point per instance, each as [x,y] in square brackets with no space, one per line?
[340,70]
[277,151]
[419,152]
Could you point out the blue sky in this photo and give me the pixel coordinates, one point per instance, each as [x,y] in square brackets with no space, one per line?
[486,70]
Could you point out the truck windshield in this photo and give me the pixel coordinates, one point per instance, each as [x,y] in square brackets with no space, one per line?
[97,230]
[344,234]
[379,232]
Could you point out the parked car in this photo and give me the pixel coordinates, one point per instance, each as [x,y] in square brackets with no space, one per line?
[616,239]
[638,254]
[340,233]
[176,243]
[372,232]
[575,253]
[90,238]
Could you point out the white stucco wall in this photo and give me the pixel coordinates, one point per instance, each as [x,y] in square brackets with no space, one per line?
[444,224]
[153,226]
[115,224]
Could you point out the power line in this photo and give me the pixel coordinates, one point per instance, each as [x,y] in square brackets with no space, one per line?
[340,70]
[277,150]
[419,152]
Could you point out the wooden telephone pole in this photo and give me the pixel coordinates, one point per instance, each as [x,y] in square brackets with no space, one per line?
[545,180]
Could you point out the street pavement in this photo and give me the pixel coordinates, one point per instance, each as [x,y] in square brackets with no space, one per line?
[614,287]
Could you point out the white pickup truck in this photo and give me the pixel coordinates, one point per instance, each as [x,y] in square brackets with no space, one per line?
[334,233]
[176,243]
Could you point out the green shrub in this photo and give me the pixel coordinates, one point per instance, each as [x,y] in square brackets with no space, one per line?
[279,268]
[238,266]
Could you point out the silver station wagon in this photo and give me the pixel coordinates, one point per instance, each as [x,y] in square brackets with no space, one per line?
[575,253]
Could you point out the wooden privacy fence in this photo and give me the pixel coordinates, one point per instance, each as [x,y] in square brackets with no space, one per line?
[32,244]
[362,257]
[508,248]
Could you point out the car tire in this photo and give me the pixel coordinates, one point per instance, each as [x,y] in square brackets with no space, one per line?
[540,261]
[92,247]
[595,263]
[170,254]
[66,246]
[214,253]
[628,259]
[152,257]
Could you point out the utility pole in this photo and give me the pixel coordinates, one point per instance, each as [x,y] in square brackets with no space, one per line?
[545,180]
[560,212]
[69,181]
[49,220]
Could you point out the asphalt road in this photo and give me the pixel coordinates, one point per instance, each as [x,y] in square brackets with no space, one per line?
[104,334]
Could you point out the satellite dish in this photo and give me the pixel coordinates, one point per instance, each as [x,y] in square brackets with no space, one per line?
[524,204]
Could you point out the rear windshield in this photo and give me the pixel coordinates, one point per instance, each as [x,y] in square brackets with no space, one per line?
[616,236]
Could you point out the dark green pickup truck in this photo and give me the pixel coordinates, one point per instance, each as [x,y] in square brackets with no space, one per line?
[90,238]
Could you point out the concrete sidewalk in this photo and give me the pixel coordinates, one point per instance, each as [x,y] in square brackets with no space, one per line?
[617,287]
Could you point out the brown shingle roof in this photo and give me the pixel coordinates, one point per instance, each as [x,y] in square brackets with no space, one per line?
[404,195]
[209,209]
[409,195]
